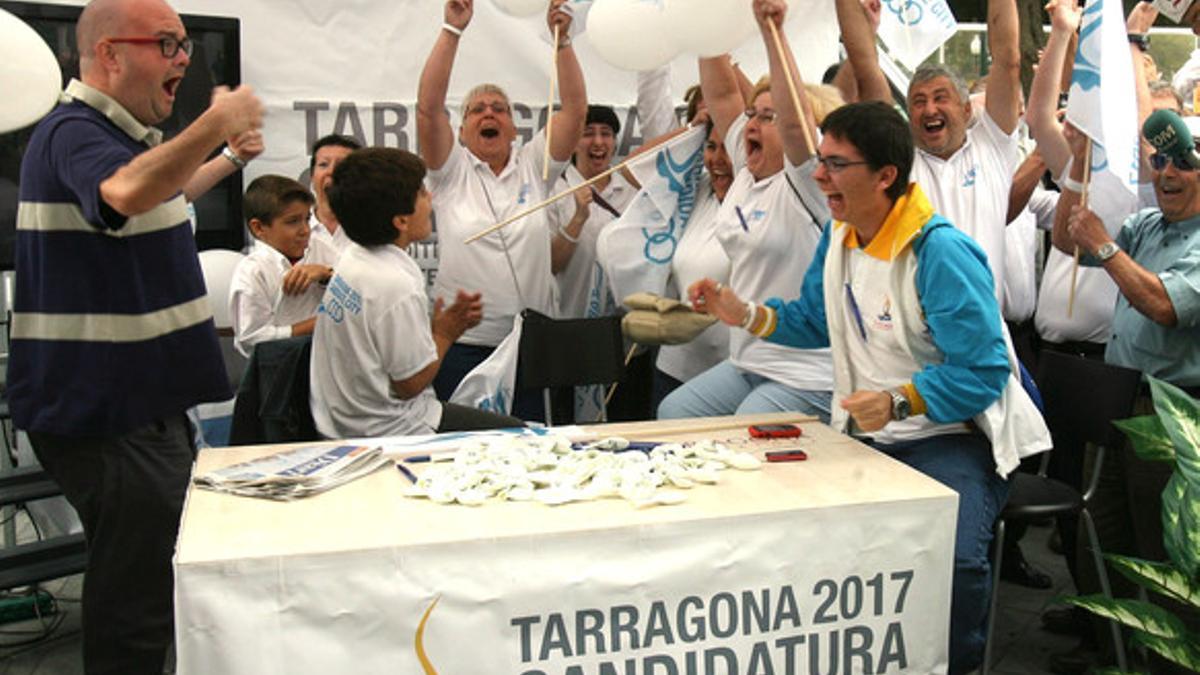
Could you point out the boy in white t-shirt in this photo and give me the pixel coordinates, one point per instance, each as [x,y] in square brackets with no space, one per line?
[276,290]
[375,348]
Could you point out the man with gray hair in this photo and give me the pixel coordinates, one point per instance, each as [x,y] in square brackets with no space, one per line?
[966,170]
[112,335]
[485,180]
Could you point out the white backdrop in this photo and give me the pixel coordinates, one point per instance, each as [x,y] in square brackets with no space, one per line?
[352,66]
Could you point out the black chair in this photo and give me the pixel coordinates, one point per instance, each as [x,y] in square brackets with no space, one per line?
[1082,397]
[568,353]
[51,558]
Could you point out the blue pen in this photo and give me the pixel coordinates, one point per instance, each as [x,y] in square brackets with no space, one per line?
[862,330]
[407,472]
[741,217]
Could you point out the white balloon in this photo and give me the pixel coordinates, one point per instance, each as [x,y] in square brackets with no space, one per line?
[29,74]
[631,34]
[710,27]
[522,7]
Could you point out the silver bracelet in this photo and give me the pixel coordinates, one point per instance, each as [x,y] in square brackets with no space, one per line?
[751,311]
[562,230]
[452,29]
[230,155]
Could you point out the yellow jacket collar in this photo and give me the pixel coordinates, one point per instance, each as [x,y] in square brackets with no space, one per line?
[902,225]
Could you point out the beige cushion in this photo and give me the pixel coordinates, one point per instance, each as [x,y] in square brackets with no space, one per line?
[656,320]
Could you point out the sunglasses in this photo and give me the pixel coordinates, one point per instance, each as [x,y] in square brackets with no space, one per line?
[1159,161]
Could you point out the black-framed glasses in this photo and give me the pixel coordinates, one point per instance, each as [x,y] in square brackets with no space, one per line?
[1159,161]
[837,164]
[764,116]
[169,45]
[498,108]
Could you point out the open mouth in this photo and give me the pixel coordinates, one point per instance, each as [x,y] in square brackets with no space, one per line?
[753,146]
[836,201]
[933,126]
[490,133]
[1170,189]
[171,86]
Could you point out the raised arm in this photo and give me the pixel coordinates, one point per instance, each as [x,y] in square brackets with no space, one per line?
[1070,196]
[154,176]
[1042,112]
[245,146]
[1140,19]
[797,128]
[434,135]
[858,37]
[1004,77]
[569,120]
[719,84]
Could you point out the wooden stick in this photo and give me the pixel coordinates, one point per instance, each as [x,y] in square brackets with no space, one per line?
[613,389]
[791,83]
[550,105]
[550,200]
[1083,201]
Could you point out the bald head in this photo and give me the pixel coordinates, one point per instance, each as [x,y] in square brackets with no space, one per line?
[109,18]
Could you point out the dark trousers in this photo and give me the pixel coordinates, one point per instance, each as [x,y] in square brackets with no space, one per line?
[460,359]
[129,493]
[457,417]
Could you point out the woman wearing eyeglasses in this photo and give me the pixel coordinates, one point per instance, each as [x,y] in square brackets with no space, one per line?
[769,224]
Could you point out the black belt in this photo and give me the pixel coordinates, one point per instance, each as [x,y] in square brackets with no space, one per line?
[1091,350]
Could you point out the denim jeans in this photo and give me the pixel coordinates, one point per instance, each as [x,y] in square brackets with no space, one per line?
[963,463]
[726,389]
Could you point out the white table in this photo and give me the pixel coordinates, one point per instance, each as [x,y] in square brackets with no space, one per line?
[849,552]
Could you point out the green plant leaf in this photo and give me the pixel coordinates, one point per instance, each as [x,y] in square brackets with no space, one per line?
[1148,437]
[1180,415]
[1183,651]
[1113,670]
[1161,578]
[1181,524]
[1136,614]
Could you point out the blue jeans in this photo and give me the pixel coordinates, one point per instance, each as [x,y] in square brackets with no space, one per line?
[963,463]
[726,389]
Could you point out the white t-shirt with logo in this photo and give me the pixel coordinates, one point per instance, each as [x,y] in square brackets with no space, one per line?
[770,230]
[510,267]
[373,327]
[971,188]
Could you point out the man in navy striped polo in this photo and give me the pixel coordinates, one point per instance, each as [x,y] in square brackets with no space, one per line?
[112,336]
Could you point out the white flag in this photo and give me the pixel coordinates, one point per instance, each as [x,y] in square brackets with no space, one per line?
[914,29]
[1102,104]
[489,386]
[635,251]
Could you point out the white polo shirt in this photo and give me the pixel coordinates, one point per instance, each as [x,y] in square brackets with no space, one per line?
[373,327]
[510,267]
[971,188]
[575,280]
[770,229]
[699,255]
[258,307]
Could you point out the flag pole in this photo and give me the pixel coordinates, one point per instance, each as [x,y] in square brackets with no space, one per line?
[809,146]
[550,104]
[1083,202]
[550,200]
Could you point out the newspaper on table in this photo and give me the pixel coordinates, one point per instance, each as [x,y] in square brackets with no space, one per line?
[296,473]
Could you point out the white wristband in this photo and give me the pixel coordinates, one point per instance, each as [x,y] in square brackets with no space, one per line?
[1066,182]
[562,230]
[452,29]
[751,311]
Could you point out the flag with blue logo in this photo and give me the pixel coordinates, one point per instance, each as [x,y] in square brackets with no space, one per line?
[1102,103]
[913,29]
[489,386]
[635,250]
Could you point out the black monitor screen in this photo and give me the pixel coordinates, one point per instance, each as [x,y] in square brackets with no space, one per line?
[215,61]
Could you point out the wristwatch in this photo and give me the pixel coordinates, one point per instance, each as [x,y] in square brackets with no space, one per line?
[1107,250]
[1141,40]
[901,408]
[228,153]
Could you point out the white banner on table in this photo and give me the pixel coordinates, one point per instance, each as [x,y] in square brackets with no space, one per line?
[873,595]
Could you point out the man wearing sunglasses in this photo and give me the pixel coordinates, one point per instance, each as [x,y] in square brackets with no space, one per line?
[112,336]
[1154,260]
